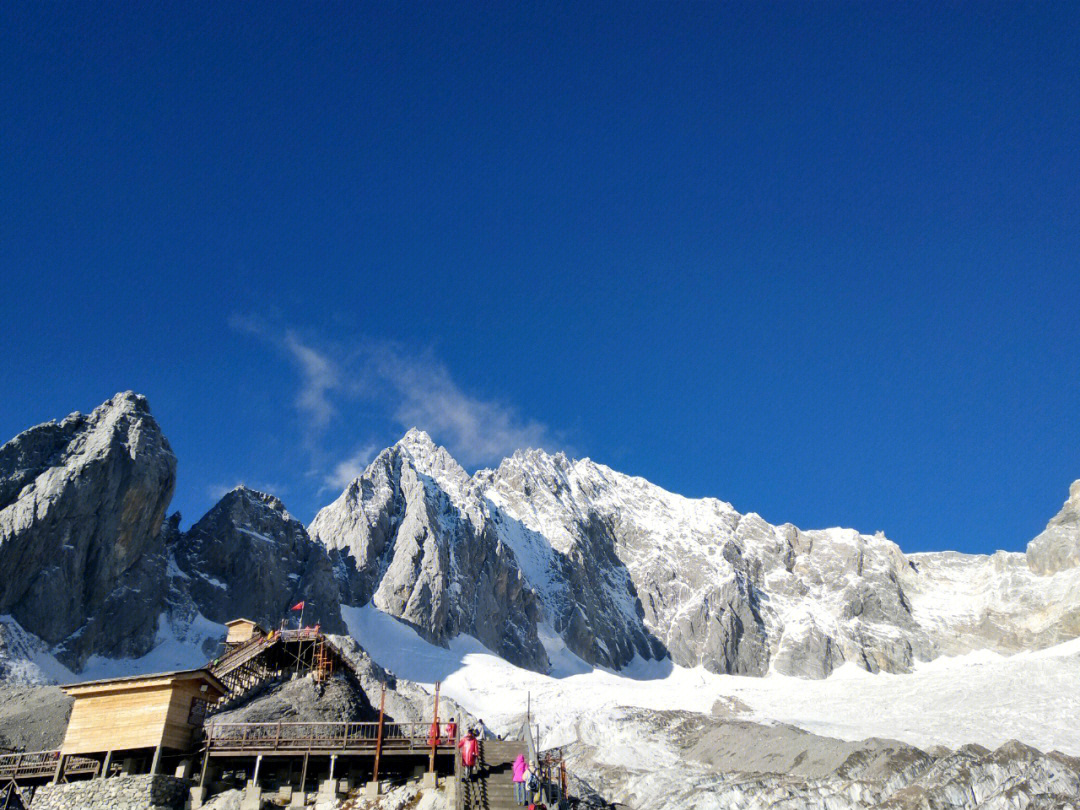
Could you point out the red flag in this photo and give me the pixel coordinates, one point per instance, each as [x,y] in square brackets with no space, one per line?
[297,606]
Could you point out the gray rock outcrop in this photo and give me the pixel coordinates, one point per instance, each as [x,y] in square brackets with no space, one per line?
[724,765]
[89,566]
[1058,547]
[402,541]
[82,500]
[248,557]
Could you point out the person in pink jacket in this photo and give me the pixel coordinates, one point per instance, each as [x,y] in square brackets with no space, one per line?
[521,768]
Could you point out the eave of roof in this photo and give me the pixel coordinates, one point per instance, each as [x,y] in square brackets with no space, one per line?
[147,679]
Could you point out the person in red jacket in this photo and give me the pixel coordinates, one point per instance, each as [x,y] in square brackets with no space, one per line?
[451,730]
[470,751]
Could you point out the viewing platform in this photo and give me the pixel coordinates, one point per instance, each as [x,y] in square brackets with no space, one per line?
[230,739]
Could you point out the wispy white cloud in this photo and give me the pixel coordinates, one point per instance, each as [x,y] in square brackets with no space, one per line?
[351,468]
[319,373]
[397,385]
[320,378]
[423,394]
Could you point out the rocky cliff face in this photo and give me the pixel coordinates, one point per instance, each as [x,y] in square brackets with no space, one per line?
[1058,547]
[82,501]
[540,554]
[248,557]
[89,566]
[615,568]
[711,586]
[408,538]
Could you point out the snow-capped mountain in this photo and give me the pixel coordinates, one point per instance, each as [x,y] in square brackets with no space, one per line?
[90,569]
[514,583]
[541,556]
[81,508]
[620,569]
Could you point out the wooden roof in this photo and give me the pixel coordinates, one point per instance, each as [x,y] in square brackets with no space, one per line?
[134,682]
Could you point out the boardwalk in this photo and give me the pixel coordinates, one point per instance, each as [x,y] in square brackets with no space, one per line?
[322,738]
[40,766]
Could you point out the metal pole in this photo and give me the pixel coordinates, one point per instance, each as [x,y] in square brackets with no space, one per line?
[378,739]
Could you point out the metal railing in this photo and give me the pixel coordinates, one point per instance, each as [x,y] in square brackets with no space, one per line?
[323,736]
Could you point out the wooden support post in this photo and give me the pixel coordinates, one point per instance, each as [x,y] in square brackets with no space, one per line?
[333,762]
[378,738]
[258,762]
[59,774]
[303,773]
[156,761]
[205,763]
[105,765]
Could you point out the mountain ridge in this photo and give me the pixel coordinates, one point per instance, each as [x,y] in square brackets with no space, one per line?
[535,556]
[566,519]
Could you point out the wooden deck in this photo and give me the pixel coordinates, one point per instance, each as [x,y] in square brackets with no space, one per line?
[229,739]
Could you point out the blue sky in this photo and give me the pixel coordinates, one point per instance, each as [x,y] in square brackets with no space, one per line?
[821,260]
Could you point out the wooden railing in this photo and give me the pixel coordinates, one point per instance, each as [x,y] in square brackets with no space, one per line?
[300,737]
[239,655]
[38,764]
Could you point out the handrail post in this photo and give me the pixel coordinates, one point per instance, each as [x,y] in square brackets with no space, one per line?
[378,738]
[459,800]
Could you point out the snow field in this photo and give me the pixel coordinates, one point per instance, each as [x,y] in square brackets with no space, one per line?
[983,697]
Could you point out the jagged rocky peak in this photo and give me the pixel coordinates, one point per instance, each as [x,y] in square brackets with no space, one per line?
[410,537]
[249,557]
[81,508]
[1058,547]
[431,459]
[621,568]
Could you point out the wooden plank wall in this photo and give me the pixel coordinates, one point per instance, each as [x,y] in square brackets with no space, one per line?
[178,733]
[240,633]
[114,721]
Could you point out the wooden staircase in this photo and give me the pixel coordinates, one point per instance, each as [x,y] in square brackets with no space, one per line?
[265,658]
[493,786]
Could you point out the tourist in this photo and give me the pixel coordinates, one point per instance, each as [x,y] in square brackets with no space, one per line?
[451,730]
[470,750]
[520,768]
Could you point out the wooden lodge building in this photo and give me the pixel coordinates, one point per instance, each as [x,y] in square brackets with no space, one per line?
[166,731]
[139,717]
[168,723]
